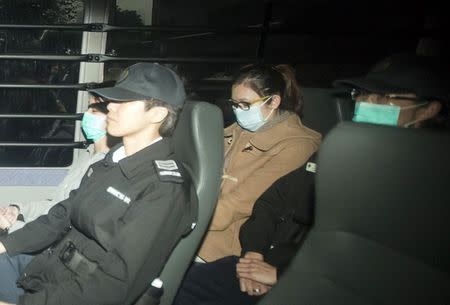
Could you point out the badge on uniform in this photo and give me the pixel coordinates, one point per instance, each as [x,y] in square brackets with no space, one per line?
[168,171]
[118,194]
[311,167]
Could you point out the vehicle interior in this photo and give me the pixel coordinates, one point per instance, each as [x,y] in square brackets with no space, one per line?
[374,240]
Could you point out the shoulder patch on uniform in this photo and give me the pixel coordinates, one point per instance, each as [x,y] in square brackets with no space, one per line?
[166,164]
[168,170]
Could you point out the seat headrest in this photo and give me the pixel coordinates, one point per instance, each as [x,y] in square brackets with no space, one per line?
[195,136]
[320,109]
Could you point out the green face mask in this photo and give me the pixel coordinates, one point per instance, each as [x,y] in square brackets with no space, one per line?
[93,126]
[376,114]
[380,114]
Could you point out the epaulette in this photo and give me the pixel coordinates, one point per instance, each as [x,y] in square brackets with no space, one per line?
[168,171]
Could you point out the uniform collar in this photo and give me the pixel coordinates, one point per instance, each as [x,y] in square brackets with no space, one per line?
[120,153]
[143,159]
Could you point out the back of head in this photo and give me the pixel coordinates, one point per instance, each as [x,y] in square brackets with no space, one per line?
[268,80]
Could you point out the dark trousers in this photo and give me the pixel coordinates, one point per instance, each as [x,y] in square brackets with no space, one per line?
[213,283]
[11,267]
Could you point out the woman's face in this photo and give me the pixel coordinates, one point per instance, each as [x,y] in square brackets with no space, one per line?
[241,93]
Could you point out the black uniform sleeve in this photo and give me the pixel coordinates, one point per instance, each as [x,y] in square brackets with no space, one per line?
[280,218]
[257,232]
[148,227]
[40,233]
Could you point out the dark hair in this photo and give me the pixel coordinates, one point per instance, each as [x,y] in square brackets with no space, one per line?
[102,107]
[170,121]
[269,80]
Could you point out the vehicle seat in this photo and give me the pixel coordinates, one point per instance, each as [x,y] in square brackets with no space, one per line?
[198,143]
[381,233]
[321,109]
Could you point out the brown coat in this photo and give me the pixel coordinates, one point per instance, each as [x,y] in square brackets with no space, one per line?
[253,161]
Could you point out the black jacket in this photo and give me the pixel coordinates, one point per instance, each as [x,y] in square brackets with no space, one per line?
[281,217]
[124,220]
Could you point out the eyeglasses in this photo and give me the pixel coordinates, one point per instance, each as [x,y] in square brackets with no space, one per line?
[246,105]
[356,92]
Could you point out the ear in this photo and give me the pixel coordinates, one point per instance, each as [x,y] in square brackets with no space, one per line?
[275,102]
[428,111]
[157,114]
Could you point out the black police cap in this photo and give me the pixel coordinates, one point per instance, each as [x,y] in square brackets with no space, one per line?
[144,81]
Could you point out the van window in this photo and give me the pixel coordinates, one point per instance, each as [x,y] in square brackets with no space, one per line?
[16,40]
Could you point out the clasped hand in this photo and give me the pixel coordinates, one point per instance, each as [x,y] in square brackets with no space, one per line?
[256,277]
[8,216]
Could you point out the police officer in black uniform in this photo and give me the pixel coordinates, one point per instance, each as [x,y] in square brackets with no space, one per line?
[112,236]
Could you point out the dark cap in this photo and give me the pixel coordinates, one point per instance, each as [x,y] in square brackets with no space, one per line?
[404,73]
[144,81]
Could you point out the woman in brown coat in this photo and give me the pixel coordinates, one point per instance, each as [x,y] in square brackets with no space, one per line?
[267,142]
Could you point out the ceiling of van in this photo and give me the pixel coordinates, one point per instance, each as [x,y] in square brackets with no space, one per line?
[349,34]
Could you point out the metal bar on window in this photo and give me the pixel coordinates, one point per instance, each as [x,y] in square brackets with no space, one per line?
[157,28]
[43,86]
[76,116]
[55,27]
[101,27]
[100,58]
[45,57]
[278,28]
[45,144]
[84,86]
[107,58]
[273,26]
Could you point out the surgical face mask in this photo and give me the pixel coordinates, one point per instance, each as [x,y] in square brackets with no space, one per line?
[251,119]
[380,114]
[93,126]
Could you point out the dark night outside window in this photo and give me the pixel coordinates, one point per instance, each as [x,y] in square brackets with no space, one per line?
[38,101]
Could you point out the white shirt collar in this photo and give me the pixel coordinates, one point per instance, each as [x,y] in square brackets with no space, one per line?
[119,154]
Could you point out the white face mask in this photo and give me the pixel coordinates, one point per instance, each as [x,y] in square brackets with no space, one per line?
[251,119]
[93,126]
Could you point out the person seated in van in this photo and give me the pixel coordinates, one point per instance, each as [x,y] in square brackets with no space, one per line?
[267,142]
[128,213]
[16,215]
[404,90]
[93,124]
[269,239]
